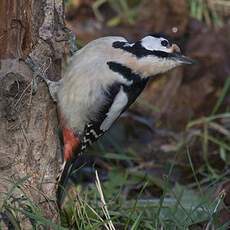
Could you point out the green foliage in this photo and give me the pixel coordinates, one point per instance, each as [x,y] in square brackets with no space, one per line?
[224,92]
[17,207]
[180,208]
[203,11]
[125,11]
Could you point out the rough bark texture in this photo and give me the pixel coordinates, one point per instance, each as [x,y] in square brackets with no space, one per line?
[33,40]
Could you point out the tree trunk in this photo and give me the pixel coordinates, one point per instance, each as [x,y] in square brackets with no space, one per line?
[33,40]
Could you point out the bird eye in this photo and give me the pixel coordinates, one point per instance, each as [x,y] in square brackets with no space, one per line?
[164,43]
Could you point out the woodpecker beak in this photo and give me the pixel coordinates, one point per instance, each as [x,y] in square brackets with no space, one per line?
[178,57]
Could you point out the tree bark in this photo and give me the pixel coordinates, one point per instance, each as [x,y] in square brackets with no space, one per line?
[33,42]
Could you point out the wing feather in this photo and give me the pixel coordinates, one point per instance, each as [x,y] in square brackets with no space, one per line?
[108,114]
[118,105]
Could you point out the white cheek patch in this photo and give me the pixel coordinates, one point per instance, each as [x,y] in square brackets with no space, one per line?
[152,43]
[120,101]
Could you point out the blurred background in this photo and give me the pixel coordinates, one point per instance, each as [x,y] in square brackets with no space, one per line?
[166,161]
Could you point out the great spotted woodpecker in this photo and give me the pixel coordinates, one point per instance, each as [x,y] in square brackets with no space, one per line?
[100,82]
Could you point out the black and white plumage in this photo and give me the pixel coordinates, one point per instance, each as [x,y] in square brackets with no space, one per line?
[104,78]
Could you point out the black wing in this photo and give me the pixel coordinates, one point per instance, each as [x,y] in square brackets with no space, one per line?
[119,98]
[93,129]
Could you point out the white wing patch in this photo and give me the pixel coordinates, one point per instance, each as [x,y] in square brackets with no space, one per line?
[120,101]
[152,43]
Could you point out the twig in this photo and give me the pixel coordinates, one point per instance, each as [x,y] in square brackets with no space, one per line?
[110,225]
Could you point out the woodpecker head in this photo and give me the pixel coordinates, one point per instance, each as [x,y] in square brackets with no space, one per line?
[154,54]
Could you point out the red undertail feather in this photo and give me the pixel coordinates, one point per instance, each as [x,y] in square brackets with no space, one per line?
[71,143]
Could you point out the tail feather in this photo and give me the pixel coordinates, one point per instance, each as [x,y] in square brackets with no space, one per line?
[68,176]
[63,181]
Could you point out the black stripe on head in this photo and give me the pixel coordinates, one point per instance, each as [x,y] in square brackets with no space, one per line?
[124,71]
[119,44]
[139,51]
[133,90]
